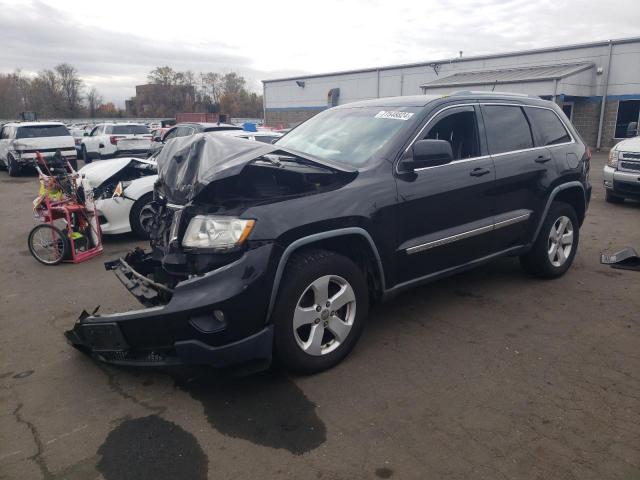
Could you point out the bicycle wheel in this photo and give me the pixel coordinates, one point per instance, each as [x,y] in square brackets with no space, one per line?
[48,244]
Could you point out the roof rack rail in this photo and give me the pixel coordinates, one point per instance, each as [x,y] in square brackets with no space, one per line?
[485,92]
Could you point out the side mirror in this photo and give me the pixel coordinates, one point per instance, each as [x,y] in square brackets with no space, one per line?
[632,129]
[157,138]
[85,134]
[428,153]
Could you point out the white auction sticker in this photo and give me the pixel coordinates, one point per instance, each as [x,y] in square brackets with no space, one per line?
[394,115]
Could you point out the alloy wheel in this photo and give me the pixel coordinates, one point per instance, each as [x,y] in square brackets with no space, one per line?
[324,315]
[560,241]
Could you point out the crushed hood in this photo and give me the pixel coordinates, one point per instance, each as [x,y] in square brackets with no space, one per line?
[98,172]
[187,165]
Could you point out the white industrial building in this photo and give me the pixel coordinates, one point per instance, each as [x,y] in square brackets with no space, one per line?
[577,77]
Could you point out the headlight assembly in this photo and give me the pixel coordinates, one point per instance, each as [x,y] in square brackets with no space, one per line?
[211,231]
[612,160]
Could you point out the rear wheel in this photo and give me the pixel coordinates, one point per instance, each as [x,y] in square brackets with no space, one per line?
[12,167]
[321,310]
[611,198]
[141,215]
[48,244]
[555,248]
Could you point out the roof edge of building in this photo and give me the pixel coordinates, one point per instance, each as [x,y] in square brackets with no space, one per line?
[617,41]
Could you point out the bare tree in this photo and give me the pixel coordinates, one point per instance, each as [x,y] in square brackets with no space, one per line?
[94,101]
[162,76]
[71,87]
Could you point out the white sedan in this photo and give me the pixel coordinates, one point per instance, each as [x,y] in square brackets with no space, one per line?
[123,192]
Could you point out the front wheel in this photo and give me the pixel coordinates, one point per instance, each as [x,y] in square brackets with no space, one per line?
[48,244]
[321,310]
[555,248]
[141,215]
[12,167]
[611,198]
[85,156]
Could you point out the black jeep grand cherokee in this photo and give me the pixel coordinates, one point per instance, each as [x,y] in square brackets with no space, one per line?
[261,249]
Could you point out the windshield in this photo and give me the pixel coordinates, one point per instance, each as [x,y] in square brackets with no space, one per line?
[130,129]
[349,135]
[37,131]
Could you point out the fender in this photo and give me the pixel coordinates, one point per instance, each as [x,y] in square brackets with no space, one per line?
[554,192]
[291,248]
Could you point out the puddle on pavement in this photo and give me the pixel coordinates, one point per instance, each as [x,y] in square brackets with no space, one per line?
[266,408]
[151,448]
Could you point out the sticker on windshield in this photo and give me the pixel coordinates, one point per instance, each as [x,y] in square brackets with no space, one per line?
[394,115]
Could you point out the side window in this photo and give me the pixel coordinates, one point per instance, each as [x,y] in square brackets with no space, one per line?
[185,131]
[458,127]
[107,129]
[171,134]
[547,127]
[94,132]
[507,128]
[3,134]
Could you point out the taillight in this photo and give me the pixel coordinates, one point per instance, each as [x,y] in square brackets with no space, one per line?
[114,139]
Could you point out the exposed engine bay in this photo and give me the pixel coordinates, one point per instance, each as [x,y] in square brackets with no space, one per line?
[126,175]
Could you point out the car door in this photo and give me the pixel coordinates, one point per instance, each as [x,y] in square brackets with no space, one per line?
[91,142]
[446,212]
[522,173]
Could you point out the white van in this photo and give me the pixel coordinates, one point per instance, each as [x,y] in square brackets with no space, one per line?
[20,141]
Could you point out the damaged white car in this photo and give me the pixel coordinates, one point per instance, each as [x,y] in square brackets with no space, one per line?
[123,190]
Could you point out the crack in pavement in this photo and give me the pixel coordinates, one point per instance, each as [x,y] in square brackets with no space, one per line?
[117,388]
[36,457]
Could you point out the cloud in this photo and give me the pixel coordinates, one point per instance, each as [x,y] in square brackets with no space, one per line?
[114,47]
[36,36]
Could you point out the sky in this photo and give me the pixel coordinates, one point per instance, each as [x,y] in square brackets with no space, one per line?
[114,44]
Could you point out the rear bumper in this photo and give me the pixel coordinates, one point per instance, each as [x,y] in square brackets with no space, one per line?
[29,158]
[217,319]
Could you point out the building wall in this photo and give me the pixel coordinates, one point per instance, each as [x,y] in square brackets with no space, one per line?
[288,103]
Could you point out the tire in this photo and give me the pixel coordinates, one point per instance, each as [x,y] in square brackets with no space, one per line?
[12,167]
[135,217]
[611,198]
[298,294]
[549,256]
[85,155]
[58,253]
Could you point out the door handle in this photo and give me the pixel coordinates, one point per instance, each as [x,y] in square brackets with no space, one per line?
[478,172]
[543,158]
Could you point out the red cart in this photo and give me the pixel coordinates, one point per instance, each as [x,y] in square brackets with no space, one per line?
[70,230]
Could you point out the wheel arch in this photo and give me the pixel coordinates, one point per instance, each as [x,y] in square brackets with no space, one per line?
[354,242]
[572,193]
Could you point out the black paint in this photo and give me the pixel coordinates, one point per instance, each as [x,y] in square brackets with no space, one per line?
[266,409]
[151,448]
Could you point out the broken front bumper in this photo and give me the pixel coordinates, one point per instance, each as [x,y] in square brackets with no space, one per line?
[216,319]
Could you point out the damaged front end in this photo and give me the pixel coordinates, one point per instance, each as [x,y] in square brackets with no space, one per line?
[206,283]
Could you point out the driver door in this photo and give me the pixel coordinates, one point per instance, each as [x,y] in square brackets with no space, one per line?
[445,212]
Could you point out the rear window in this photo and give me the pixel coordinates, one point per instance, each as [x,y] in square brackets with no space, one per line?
[547,127]
[129,130]
[37,131]
[507,128]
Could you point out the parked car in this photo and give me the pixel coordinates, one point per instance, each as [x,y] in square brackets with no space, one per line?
[622,171]
[19,142]
[78,133]
[110,140]
[185,130]
[123,192]
[282,247]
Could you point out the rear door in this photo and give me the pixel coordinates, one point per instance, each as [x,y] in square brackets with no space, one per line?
[446,212]
[522,173]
